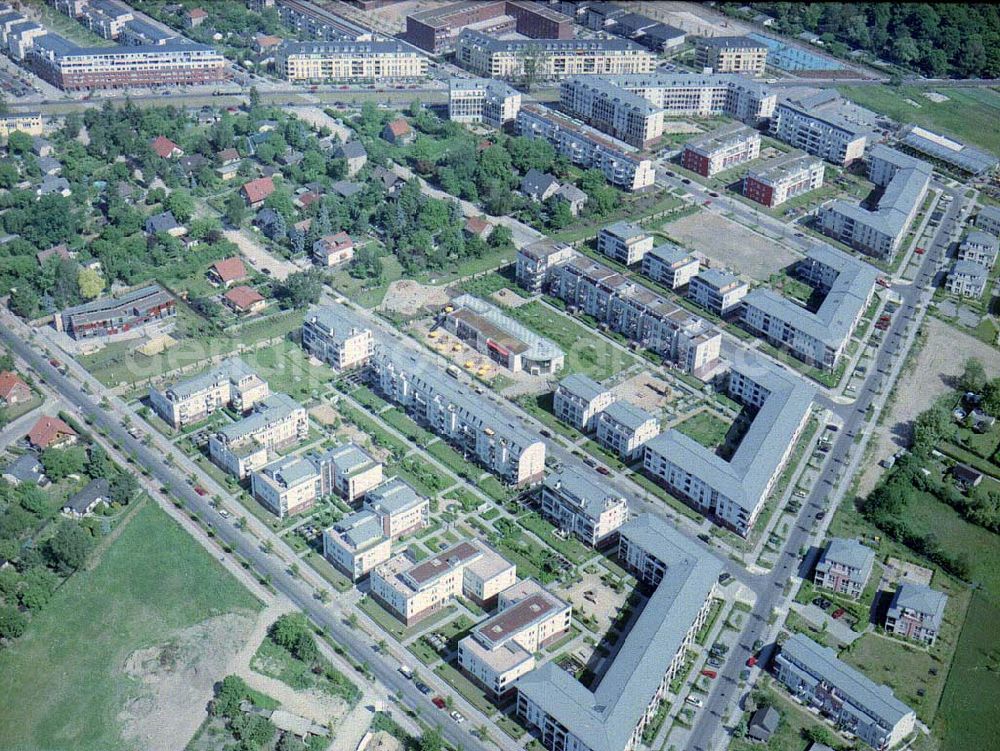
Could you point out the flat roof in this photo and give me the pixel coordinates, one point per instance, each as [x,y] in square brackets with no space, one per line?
[730,42]
[786,166]
[337,321]
[393,497]
[273,409]
[724,137]
[580,45]
[448,560]
[949,150]
[232,369]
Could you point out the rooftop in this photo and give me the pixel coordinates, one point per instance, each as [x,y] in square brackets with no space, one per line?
[583,490]
[945,149]
[627,414]
[582,386]
[359,530]
[232,369]
[393,497]
[549,46]
[519,337]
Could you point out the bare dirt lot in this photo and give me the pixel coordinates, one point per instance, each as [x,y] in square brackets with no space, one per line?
[646,392]
[258,256]
[727,243]
[941,359]
[681,126]
[602,601]
[409,298]
[509,298]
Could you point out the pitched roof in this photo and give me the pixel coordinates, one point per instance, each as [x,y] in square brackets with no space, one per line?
[56,250]
[164,147]
[230,269]
[476,225]
[161,223]
[259,189]
[48,429]
[351,150]
[228,155]
[8,382]
[399,127]
[243,296]
[537,183]
[95,489]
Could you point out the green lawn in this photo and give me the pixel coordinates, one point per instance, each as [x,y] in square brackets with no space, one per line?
[969,114]
[286,368]
[706,428]
[62,682]
[789,736]
[475,695]
[586,352]
[277,662]
[453,460]
[571,548]
[406,425]
[366,292]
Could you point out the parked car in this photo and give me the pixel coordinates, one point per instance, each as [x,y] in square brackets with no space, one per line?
[838,613]
[545,433]
[603,471]
[751,661]
[694,701]
[709,673]
[458,717]
[820,515]
[714,662]
[200,490]
[438,702]
[422,687]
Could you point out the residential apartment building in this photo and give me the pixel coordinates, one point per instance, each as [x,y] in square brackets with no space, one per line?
[717,291]
[624,429]
[548,59]
[734,491]
[501,649]
[720,150]
[670,265]
[312,21]
[110,316]
[816,124]
[231,384]
[536,261]
[613,715]
[818,337]
[504,340]
[375,62]
[584,147]
[482,100]
[730,55]
[788,176]
[814,675]
[916,612]
[636,312]
[844,567]
[356,544]
[413,590]
[979,247]
[967,279]
[242,447]
[399,507]
[880,231]
[624,242]
[287,486]
[578,399]
[338,336]
[578,504]
[25,122]
[612,110]
[347,471]
[988,220]
[475,425]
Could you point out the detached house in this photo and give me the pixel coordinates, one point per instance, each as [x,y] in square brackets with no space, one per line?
[332,250]
[12,389]
[165,148]
[352,152]
[227,271]
[244,300]
[51,432]
[256,191]
[398,132]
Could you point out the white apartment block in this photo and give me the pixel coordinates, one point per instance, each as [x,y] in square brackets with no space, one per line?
[231,384]
[916,612]
[347,471]
[967,279]
[413,590]
[988,220]
[670,265]
[730,55]
[578,399]
[400,508]
[979,247]
[721,150]
[783,178]
[585,147]
[624,429]
[287,486]
[536,261]
[245,446]
[356,544]
[816,124]
[377,62]
[717,291]
[501,649]
[473,424]
[580,505]
[624,242]
[482,100]
[337,336]
[550,58]
[612,110]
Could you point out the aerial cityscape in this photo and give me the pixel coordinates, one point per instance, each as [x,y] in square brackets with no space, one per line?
[499,375]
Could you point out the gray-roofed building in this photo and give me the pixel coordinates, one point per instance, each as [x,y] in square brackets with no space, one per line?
[731,54]
[988,220]
[722,149]
[346,188]
[734,491]
[356,544]
[948,151]
[613,109]
[573,196]
[624,428]
[164,222]
[819,123]
[717,290]
[482,100]
[850,699]
[353,152]
[670,265]
[231,384]
[399,507]
[578,399]
[821,337]
[338,336]
[536,261]
[108,316]
[246,445]
[613,716]
[579,504]
[967,279]
[661,37]
[287,486]
[844,567]
[84,502]
[980,247]
[778,180]
[916,612]
[27,469]
[763,723]
[49,165]
[347,471]
[539,186]
[624,242]
[53,185]
[879,232]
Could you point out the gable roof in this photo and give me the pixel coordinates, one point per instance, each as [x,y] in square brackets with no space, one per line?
[95,490]
[9,380]
[351,150]
[538,183]
[257,190]
[229,155]
[26,468]
[164,147]
[399,127]
[243,296]
[47,430]
[230,269]
[161,223]
[56,250]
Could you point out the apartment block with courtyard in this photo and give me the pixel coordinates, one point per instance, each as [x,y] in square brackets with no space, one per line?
[816,123]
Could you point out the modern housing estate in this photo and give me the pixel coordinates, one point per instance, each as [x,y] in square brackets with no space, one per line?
[231,384]
[382,61]
[357,544]
[578,399]
[979,247]
[242,447]
[612,716]
[399,507]
[941,149]
[482,100]
[624,429]
[347,471]
[581,506]
[110,316]
[338,336]
[624,242]
[717,291]
[851,700]
[730,55]
[720,150]
[844,567]
[734,491]
[780,179]
[967,279]
[436,29]
[670,265]
[916,612]
[815,123]
[879,232]
[286,486]
[818,338]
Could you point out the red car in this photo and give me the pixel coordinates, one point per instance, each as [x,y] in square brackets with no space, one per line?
[883,281]
[838,613]
[603,471]
[920,251]
[751,661]
[438,702]
[709,673]
[200,490]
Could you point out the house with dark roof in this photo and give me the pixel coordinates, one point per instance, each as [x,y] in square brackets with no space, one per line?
[966,476]
[539,186]
[398,132]
[84,502]
[346,189]
[353,152]
[27,468]
[763,723]
[192,163]
[165,223]
[389,180]
[572,195]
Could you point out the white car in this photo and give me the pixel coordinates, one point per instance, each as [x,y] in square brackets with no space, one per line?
[695,701]
[458,717]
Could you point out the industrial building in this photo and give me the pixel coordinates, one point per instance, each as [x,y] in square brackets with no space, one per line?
[435,30]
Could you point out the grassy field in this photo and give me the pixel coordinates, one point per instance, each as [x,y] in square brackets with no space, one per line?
[965,718]
[62,682]
[706,428]
[585,351]
[364,291]
[286,368]
[969,114]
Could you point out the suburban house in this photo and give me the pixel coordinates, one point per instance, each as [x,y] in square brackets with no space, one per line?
[84,502]
[165,148]
[539,186]
[51,432]
[763,723]
[398,132]
[59,250]
[244,299]
[227,271]
[12,389]
[476,226]
[572,195]
[352,152]
[165,223]
[333,250]
[27,468]
[256,191]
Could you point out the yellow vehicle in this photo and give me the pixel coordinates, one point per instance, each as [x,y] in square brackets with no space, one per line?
[448,309]
[432,335]
[469,365]
[456,347]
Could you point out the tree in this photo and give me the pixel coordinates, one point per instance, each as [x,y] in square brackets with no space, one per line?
[974,376]
[99,464]
[299,289]
[19,143]
[820,735]
[67,550]
[24,301]
[91,283]
[59,463]
[124,488]
[431,740]
[228,696]
[236,210]
[561,216]
[12,622]
[181,205]
[500,237]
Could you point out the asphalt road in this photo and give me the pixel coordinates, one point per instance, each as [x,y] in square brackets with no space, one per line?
[265,565]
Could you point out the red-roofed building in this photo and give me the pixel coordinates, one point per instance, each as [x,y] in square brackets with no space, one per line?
[195,17]
[476,226]
[166,148]
[307,199]
[12,389]
[51,432]
[332,250]
[56,250]
[398,132]
[227,271]
[228,156]
[244,299]
[266,42]
[256,191]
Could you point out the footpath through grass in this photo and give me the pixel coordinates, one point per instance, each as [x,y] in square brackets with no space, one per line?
[62,682]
